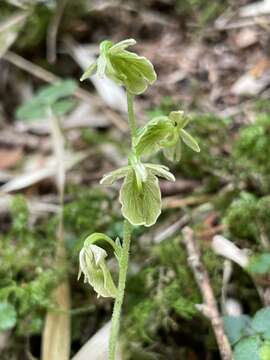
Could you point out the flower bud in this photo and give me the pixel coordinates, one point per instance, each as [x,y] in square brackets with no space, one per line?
[95,270]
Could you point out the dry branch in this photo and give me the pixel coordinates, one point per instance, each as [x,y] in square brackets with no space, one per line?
[209,308]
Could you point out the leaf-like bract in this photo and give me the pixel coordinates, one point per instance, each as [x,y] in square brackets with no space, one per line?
[111,177]
[174,153]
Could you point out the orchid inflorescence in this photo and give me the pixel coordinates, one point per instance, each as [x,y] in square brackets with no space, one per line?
[140,195]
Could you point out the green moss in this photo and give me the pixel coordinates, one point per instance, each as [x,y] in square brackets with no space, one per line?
[27,275]
[252,153]
[240,217]
[84,214]
[163,289]
[248,217]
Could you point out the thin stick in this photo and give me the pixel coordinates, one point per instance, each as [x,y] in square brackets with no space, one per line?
[209,308]
[131,116]
[56,335]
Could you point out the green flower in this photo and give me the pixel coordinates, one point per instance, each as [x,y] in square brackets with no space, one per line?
[95,270]
[124,67]
[140,195]
[167,133]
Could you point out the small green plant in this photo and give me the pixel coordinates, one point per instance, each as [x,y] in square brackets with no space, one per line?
[140,194]
[250,338]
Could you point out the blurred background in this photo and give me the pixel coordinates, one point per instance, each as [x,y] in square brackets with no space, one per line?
[212,60]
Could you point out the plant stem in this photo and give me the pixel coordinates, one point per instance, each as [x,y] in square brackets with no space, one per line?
[131,116]
[123,261]
[123,266]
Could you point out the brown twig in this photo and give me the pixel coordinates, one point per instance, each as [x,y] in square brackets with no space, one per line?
[209,308]
[173,202]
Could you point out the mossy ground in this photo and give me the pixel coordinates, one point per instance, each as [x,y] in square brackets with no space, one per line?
[160,319]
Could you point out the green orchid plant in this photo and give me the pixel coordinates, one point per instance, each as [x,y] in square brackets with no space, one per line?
[140,195]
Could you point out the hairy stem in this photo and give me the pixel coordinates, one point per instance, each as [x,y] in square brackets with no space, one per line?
[123,266]
[131,116]
[123,262]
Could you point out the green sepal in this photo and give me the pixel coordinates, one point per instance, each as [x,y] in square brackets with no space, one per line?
[111,177]
[174,153]
[189,140]
[95,270]
[89,71]
[150,137]
[160,170]
[124,67]
[140,207]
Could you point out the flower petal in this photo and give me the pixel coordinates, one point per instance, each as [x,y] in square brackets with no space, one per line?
[179,118]
[89,71]
[111,177]
[140,207]
[122,45]
[153,133]
[174,153]
[189,140]
[95,270]
[161,171]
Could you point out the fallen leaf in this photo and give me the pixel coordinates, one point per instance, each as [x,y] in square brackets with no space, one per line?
[48,170]
[9,30]
[96,348]
[246,37]
[254,81]
[9,158]
[56,334]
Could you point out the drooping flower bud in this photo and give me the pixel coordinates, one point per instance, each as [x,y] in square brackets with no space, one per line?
[124,67]
[95,270]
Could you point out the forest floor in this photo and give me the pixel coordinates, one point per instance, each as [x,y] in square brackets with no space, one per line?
[213,62]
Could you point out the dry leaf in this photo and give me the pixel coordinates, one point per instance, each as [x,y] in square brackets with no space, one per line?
[56,334]
[254,81]
[9,158]
[9,30]
[48,169]
[96,347]
[246,37]
[256,9]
